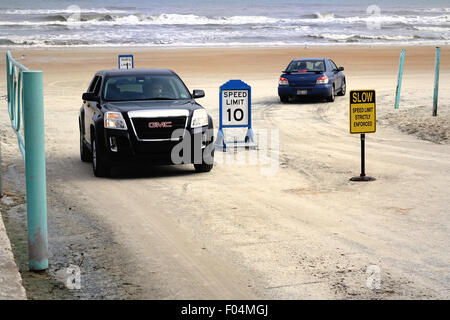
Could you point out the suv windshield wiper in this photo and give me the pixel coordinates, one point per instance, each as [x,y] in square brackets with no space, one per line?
[142,99]
[159,98]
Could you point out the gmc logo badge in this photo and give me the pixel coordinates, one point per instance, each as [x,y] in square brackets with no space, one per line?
[167,124]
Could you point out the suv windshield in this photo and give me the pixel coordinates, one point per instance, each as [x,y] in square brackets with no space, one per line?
[152,87]
[306,66]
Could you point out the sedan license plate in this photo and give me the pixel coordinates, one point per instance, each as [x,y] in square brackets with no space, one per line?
[302,92]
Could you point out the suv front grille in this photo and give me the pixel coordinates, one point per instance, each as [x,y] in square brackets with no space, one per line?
[160,128]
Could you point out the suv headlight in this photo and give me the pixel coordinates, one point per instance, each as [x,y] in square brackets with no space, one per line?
[199,118]
[114,120]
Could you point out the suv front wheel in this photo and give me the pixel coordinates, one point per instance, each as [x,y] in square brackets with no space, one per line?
[85,155]
[207,162]
[100,166]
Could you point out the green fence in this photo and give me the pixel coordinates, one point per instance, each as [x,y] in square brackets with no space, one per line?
[26,111]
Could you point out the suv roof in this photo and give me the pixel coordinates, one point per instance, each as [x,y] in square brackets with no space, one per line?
[133,72]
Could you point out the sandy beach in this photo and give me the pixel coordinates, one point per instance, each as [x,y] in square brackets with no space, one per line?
[303,232]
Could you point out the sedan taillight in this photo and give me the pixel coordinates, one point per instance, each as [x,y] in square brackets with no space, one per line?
[322,80]
[283,81]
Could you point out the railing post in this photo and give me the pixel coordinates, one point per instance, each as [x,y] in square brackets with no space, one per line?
[1,172]
[399,80]
[33,107]
[436,82]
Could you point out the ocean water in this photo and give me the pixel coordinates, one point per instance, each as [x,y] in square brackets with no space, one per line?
[190,23]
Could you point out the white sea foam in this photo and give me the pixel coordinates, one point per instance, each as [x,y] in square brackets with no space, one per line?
[434,29]
[342,37]
[191,19]
[187,44]
[162,19]
[331,36]
[194,19]
[324,16]
[69,10]
[433,10]
[389,37]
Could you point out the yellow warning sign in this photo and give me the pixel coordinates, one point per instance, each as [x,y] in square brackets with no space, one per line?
[363,111]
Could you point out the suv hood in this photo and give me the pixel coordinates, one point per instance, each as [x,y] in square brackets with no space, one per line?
[125,106]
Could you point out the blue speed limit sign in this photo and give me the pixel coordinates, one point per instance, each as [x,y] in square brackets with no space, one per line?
[235,111]
[235,108]
[126,61]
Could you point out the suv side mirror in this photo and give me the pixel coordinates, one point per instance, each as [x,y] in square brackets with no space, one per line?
[341,69]
[198,94]
[90,96]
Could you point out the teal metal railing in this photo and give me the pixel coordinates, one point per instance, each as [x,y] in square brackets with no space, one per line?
[26,112]
[15,84]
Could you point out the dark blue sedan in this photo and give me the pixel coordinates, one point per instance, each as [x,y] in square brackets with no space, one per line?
[318,77]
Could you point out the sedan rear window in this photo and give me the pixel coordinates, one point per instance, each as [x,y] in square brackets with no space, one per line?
[306,66]
[154,87]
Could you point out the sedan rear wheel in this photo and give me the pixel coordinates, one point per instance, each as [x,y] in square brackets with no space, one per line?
[333,93]
[284,99]
[343,89]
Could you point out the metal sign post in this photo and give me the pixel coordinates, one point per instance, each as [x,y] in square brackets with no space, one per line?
[235,111]
[362,121]
[126,61]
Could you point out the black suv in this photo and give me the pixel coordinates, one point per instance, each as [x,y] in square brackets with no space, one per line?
[147,115]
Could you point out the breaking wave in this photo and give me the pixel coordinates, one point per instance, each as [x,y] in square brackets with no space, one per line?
[130,26]
[110,18]
[355,38]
